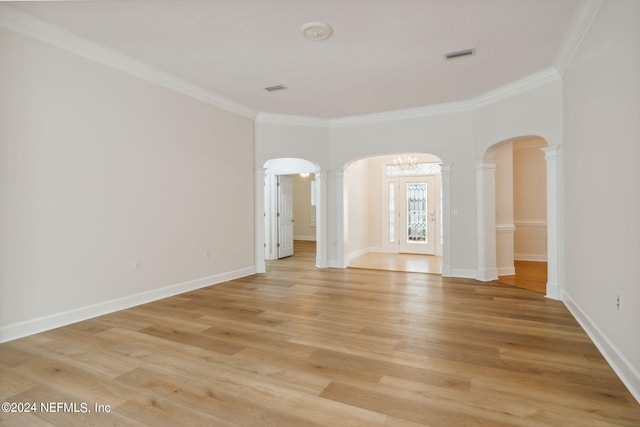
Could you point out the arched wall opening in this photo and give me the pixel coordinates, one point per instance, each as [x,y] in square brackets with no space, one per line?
[393,208]
[517,187]
[271,230]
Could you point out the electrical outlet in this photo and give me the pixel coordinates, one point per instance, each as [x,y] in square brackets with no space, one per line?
[618,303]
[207,254]
[137,265]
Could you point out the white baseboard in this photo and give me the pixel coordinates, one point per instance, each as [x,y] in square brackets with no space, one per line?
[553,291]
[506,271]
[459,273]
[379,250]
[486,274]
[530,257]
[305,238]
[627,373]
[45,323]
[446,270]
[360,252]
[357,253]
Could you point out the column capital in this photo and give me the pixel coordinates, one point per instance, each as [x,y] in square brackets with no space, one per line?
[486,165]
[552,151]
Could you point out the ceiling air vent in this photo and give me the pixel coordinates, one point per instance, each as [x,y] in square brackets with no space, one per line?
[459,53]
[276,87]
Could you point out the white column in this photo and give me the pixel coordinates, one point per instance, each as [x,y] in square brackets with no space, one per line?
[259,220]
[552,155]
[321,220]
[486,215]
[446,219]
[336,220]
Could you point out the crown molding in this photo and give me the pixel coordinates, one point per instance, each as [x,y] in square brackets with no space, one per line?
[516,87]
[283,119]
[504,92]
[507,91]
[578,28]
[411,113]
[50,34]
[27,25]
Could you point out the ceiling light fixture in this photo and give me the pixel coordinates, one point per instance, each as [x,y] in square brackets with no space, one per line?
[402,163]
[459,53]
[316,31]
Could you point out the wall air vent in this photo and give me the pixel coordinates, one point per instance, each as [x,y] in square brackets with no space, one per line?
[459,53]
[276,87]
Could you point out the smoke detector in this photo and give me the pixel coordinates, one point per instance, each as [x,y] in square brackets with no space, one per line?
[316,31]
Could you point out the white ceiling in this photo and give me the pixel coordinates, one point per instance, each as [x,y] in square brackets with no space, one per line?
[383,56]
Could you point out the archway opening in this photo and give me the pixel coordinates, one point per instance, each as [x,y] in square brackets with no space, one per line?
[520,210]
[291,206]
[393,213]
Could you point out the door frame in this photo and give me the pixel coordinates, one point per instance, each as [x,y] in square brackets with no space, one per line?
[264,207]
[486,227]
[438,195]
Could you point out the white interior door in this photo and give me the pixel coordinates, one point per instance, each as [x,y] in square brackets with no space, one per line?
[285,216]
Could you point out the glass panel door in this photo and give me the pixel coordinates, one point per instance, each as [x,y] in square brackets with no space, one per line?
[416,208]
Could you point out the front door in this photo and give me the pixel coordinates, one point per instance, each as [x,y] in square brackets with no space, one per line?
[417,216]
[285,216]
[413,215]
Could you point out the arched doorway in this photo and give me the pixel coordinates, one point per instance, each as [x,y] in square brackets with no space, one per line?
[269,195]
[497,226]
[521,215]
[393,212]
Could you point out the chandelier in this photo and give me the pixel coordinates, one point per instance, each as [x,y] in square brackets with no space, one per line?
[405,163]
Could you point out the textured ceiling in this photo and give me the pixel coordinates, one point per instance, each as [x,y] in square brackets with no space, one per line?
[383,55]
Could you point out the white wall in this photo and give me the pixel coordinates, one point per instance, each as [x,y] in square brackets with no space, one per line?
[602,185]
[448,136]
[460,136]
[359,207]
[504,210]
[276,140]
[530,200]
[536,111]
[98,168]
[302,208]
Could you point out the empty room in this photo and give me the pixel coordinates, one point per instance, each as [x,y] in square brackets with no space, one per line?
[320,212]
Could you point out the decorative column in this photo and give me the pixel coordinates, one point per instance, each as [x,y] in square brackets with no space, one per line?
[336,220]
[321,219]
[259,220]
[445,169]
[486,226]
[552,155]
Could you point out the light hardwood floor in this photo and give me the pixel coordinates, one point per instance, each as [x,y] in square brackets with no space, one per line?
[399,262]
[299,346]
[529,275]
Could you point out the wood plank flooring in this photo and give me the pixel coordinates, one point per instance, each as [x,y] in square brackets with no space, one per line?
[299,346]
[529,275]
[399,262]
